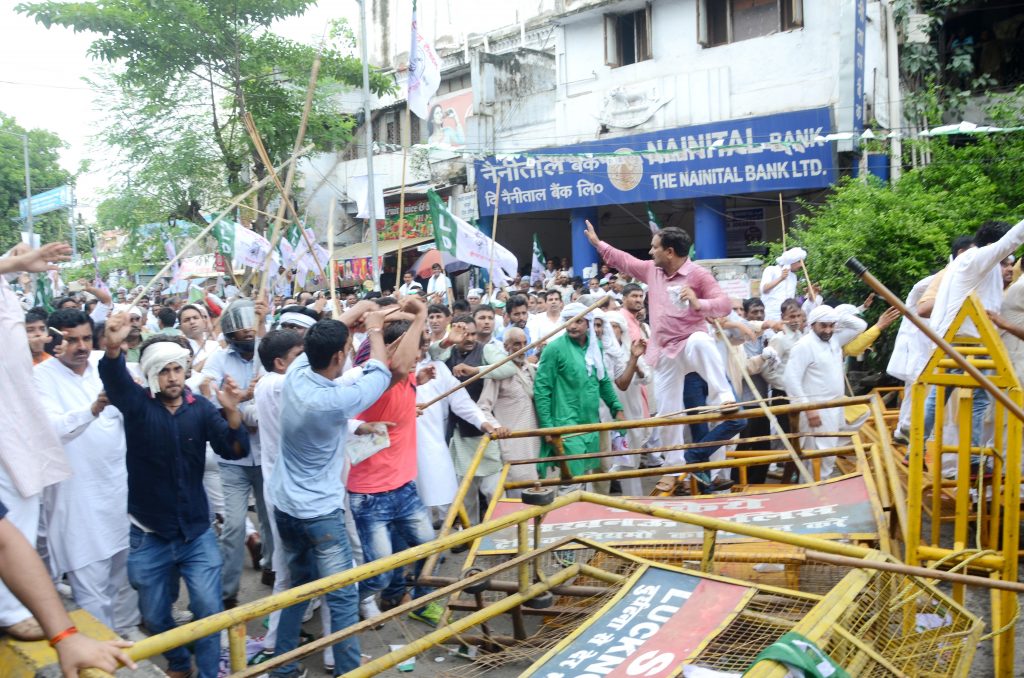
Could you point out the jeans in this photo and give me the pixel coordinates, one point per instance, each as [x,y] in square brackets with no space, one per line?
[695,394]
[376,515]
[980,403]
[315,548]
[154,566]
[238,483]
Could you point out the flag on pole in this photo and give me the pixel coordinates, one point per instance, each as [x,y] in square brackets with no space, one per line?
[289,241]
[459,239]
[240,245]
[44,292]
[424,70]
[652,220]
[539,263]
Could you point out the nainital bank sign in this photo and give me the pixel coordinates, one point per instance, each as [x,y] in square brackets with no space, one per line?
[767,153]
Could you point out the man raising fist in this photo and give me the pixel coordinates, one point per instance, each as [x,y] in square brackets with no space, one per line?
[166,431]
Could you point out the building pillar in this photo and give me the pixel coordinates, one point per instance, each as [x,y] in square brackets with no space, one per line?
[583,253]
[709,228]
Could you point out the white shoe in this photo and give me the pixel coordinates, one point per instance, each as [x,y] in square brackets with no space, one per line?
[368,608]
[313,606]
[181,616]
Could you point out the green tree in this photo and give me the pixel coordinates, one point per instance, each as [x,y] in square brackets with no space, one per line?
[902,232]
[218,60]
[46,173]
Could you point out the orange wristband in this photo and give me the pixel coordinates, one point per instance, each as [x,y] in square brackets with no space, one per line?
[69,631]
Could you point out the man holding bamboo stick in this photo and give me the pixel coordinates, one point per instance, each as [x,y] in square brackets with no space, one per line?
[681,296]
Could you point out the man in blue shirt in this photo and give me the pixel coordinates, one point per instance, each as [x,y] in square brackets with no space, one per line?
[241,478]
[166,431]
[305,486]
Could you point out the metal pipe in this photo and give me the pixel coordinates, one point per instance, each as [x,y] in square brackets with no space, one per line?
[424,643]
[861,271]
[914,571]
[490,368]
[668,470]
[690,419]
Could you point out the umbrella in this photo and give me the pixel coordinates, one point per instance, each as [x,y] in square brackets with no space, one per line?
[426,261]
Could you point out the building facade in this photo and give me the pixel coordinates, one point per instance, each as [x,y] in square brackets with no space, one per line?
[701,112]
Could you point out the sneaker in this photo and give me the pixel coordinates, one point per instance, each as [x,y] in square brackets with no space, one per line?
[181,616]
[901,437]
[312,607]
[431,614]
[368,609]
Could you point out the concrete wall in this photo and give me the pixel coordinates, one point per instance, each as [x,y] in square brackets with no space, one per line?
[785,71]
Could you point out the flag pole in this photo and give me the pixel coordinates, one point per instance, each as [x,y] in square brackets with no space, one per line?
[368,130]
[782,218]
[494,239]
[401,200]
[330,258]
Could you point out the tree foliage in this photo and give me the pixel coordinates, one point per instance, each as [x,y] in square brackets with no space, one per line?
[189,70]
[902,232]
[45,172]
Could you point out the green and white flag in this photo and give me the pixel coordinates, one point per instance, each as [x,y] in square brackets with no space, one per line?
[290,240]
[469,245]
[44,291]
[538,263]
[652,220]
[240,245]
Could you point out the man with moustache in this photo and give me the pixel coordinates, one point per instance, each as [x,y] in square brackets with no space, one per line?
[85,515]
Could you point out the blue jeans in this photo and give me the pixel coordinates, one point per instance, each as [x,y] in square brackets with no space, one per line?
[377,515]
[979,404]
[695,394]
[315,548]
[238,483]
[154,567]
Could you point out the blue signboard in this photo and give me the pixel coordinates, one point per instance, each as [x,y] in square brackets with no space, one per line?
[860,39]
[769,153]
[51,200]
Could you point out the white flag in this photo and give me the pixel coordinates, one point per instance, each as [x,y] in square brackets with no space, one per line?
[467,244]
[424,71]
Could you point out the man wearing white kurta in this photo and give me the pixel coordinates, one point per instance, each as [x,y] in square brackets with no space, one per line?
[977,270]
[436,481]
[908,357]
[87,514]
[778,282]
[815,372]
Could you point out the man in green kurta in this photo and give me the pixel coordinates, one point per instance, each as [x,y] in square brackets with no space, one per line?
[571,381]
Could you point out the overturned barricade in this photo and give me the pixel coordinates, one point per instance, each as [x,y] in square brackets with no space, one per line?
[872,622]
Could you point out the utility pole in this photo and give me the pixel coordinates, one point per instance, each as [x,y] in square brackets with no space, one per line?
[71,225]
[368,127]
[28,188]
[892,71]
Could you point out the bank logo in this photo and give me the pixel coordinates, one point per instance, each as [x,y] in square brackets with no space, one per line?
[625,171]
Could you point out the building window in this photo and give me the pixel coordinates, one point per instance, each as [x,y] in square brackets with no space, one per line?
[414,130]
[627,37]
[720,22]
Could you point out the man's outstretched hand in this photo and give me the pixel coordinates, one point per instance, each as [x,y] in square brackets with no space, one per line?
[23,258]
[592,234]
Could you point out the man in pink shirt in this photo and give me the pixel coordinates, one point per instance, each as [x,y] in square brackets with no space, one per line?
[681,296]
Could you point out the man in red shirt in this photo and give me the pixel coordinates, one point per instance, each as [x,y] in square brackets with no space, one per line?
[682,296]
[382,488]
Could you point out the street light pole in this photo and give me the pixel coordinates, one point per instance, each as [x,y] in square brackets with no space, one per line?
[368,128]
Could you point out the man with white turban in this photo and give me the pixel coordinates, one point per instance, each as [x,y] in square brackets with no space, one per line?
[778,282]
[815,372]
[166,432]
[571,381]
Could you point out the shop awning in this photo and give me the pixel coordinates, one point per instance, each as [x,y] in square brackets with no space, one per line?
[363,249]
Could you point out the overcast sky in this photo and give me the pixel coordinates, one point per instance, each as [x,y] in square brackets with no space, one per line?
[41,73]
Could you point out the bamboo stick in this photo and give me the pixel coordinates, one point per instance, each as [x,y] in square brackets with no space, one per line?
[494,239]
[782,218]
[290,176]
[914,571]
[401,205]
[235,202]
[487,369]
[794,457]
[330,259]
[881,290]
[250,126]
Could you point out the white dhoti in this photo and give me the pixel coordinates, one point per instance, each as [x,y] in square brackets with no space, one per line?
[24,515]
[831,421]
[700,355]
[101,588]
